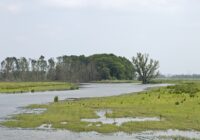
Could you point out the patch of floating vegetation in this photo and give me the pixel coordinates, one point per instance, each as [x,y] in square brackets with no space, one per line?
[117,121]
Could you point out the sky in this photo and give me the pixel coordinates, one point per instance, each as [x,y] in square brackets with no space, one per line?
[168,30]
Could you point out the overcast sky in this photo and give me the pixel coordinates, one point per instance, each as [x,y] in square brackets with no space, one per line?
[168,30]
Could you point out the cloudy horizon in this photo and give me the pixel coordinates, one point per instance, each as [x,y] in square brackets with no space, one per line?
[168,30]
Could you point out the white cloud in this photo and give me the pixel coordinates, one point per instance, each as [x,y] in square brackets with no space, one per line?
[65,3]
[11,8]
[118,4]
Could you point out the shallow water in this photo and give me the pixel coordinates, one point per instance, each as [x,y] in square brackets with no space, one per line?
[12,103]
[22,134]
[117,121]
[30,111]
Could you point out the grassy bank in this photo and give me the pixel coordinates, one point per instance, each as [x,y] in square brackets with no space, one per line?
[20,87]
[178,107]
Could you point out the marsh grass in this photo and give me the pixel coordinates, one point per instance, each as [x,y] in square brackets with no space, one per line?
[21,87]
[158,102]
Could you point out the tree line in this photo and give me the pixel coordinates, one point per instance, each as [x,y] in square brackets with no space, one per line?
[79,68]
[182,76]
[67,68]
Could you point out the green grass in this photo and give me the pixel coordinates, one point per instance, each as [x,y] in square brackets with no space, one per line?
[20,87]
[176,110]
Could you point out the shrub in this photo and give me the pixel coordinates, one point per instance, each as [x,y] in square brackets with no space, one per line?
[73,88]
[177,103]
[192,95]
[56,99]
[188,88]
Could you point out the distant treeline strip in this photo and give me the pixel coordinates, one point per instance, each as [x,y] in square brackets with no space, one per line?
[67,68]
[181,76]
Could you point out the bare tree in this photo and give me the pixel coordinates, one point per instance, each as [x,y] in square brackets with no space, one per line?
[146,68]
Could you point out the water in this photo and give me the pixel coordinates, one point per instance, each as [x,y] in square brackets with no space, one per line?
[12,103]
[25,134]
[9,103]
[117,121]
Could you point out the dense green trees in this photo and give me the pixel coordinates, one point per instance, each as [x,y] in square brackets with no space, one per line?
[79,68]
[110,66]
[67,68]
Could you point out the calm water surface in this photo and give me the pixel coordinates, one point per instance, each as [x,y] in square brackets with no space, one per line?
[9,103]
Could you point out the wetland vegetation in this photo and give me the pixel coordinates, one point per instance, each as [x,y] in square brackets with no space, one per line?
[173,107]
[177,107]
[21,87]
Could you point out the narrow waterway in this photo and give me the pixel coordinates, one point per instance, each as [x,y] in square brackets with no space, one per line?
[11,103]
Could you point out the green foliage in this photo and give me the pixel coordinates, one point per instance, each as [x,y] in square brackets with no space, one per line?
[112,67]
[32,90]
[55,99]
[188,88]
[177,103]
[67,68]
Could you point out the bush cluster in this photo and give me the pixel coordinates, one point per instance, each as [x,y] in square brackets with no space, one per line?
[56,99]
[188,88]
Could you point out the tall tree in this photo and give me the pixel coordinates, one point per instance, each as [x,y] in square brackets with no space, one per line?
[33,69]
[9,68]
[23,69]
[146,68]
[51,69]
[41,68]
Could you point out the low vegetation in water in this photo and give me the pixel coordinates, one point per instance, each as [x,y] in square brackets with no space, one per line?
[175,110]
[21,87]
